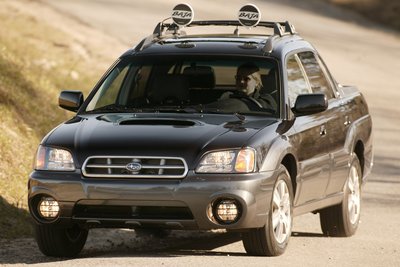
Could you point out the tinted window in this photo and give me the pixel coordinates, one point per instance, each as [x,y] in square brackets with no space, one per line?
[184,83]
[316,77]
[297,83]
[113,83]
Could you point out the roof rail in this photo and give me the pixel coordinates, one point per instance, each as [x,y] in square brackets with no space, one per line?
[279,31]
[287,29]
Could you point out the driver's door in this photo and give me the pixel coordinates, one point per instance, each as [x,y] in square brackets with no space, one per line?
[310,139]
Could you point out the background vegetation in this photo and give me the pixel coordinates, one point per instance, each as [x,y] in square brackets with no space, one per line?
[383,11]
[36,61]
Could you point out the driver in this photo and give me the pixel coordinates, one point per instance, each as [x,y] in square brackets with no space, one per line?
[249,85]
[248,79]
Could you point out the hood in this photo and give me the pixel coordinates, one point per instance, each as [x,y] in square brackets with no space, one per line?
[188,136]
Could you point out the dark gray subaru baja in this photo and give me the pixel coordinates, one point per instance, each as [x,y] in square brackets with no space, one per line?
[166,141]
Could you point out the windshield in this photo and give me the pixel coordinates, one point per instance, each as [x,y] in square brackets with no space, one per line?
[189,84]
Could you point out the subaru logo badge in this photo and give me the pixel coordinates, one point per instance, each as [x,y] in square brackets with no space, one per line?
[133,166]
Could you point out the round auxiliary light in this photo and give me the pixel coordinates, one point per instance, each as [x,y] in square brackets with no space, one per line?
[226,211]
[249,15]
[48,208]
[182,14]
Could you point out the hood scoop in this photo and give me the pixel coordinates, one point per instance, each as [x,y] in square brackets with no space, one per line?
[158,122]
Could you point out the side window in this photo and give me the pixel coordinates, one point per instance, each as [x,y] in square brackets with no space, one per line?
[297,83]
[316,77]
[108,92]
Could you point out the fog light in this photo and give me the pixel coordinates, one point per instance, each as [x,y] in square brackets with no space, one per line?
[48,208]
[226,211]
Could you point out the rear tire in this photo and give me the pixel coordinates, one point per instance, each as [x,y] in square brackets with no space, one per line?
[273,238]
[342,220]
[60,242]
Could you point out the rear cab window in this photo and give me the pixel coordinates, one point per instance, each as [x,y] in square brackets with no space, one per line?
[316,76]
[306,75]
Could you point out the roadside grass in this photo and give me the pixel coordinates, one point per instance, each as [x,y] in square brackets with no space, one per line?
[37,61]
[382,11]
[14,222]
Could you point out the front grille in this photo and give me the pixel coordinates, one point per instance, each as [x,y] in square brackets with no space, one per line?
[134,167]
[132,212]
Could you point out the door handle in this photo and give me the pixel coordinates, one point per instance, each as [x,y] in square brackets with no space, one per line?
[322,131]
[347,122]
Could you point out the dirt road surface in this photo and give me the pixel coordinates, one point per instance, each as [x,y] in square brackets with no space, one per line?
[356,51]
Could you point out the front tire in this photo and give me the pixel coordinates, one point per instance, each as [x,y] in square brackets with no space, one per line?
[342,220]
[60,242]
[273,238]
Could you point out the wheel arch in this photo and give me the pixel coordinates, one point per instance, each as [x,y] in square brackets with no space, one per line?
[290,163]
[359,142]
[359,151]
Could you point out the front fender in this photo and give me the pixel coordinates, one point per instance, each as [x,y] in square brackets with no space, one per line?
[280,147]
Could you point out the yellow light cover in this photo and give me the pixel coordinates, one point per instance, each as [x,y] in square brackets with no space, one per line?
[40,158]
[245,160]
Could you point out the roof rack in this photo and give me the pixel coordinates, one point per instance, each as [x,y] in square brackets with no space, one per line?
[277,26]
[183,17]
[162,29]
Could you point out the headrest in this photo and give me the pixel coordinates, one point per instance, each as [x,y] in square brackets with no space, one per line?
[169,89]
[200,76]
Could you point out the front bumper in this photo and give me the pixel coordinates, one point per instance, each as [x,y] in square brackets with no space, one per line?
[77,194]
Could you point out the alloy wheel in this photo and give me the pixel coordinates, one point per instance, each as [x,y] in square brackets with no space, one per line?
[281,213]
[354,197]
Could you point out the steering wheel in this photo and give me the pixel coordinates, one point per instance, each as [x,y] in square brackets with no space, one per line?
[252,103]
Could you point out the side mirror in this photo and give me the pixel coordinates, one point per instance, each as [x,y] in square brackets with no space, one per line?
[70,100]
[310,104]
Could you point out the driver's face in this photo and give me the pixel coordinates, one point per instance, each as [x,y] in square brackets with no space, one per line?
[245,82]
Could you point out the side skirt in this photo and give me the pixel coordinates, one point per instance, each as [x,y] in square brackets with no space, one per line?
[318,204]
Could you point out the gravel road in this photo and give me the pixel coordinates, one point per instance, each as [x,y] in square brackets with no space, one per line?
[356,51]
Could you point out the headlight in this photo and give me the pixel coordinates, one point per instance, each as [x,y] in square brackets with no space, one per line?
[229,161]
[54,159]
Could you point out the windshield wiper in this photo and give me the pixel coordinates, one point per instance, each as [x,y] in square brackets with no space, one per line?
[173,109]
[200,108]
[161,109]
[180,109]
[112,108]
[120,108]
